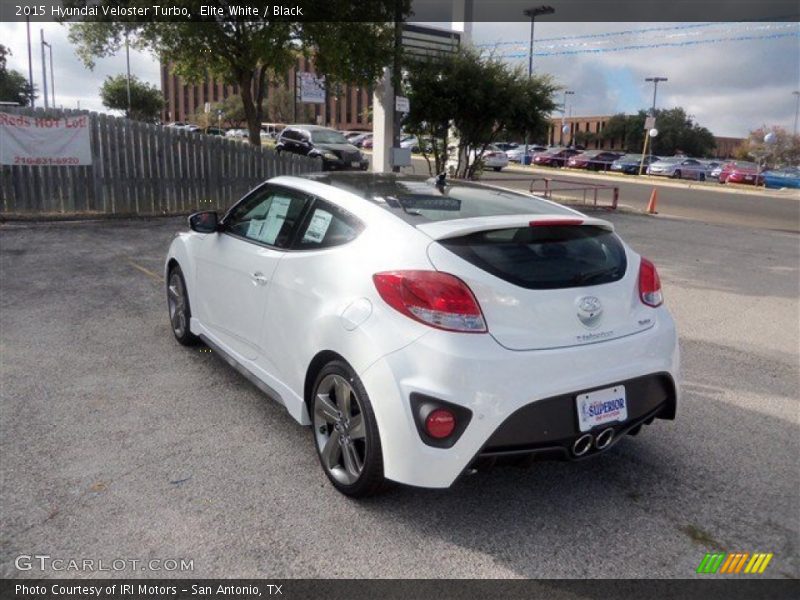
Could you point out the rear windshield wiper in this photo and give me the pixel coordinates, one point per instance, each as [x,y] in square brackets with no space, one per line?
[592,276]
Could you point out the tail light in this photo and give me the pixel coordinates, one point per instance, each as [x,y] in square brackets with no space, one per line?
[437,299]
[650,284]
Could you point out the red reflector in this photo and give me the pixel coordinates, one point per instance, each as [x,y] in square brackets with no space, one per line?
[440,423]
[555,222]
[650,284]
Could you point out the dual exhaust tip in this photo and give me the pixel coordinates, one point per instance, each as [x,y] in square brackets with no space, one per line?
[584,443]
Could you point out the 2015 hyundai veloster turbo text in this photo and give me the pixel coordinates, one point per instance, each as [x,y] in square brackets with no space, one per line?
[419,326]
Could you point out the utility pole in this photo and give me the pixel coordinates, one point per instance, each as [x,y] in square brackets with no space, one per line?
[796,111]
[52,77]
[30,62]
[533,13]
[44,69]
[564,114]
[655,81]
[128,60]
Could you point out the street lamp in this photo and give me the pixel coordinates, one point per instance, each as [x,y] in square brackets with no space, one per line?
[564,127]
[44,69]
[796,111]
[655,81]
[52,77]
[534,12]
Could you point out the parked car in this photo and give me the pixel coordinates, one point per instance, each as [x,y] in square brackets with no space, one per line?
[176,125]
[237,133]
[410,142]
[328,144]
[554,157]
[419,326]
[740,171]
[493,158]
[506,146]
[785,177]
[358,140]
[630,163]
[516,154]
[214,131]
[678,167]
[366,143]
[593,160]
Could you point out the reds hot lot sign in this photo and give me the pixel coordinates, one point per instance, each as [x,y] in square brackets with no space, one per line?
[42,141]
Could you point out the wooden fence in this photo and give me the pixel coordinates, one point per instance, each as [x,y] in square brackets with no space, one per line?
[142,169]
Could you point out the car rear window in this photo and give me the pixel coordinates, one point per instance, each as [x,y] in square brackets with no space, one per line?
[545,257]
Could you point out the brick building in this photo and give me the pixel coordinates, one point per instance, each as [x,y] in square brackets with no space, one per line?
[350,108]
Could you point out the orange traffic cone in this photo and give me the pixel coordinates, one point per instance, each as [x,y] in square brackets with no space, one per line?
[651,206]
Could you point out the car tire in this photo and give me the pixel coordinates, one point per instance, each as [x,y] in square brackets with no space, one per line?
[676,175]
[180,313]
[498,169]
[340,409]
[702,177]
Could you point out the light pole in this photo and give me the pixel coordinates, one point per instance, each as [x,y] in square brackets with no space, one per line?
[533,13]
[30,62]
[128,60]
[655,81]
[564,115]
[796,111]
[44,69]
[52,78]
[650,126]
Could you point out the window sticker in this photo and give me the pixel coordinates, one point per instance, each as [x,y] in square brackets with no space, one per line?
[272,223]
[318,226]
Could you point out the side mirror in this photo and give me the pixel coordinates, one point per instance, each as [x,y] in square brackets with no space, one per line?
[204,222]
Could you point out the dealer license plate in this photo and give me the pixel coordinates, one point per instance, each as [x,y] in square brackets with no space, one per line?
[602,406]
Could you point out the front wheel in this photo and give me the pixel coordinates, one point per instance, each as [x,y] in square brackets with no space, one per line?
[676,175]
[498,169]
[345,432]
[180,313]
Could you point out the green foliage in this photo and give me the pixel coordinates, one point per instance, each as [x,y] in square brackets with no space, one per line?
[480,97]
[249,53]
[146,100]
[14,86]
[677,133]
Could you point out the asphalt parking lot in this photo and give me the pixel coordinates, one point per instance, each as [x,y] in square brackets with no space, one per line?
[116,442]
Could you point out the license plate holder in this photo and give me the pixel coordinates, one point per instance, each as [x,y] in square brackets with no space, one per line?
[601,407]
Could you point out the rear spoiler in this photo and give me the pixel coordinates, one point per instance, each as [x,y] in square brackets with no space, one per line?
[440,230]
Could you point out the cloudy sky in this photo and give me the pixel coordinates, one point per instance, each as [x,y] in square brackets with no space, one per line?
[731,77]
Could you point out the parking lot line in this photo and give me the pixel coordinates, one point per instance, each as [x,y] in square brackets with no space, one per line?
[147,272]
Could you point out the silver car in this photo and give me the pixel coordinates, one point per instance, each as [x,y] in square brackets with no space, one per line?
[678,167]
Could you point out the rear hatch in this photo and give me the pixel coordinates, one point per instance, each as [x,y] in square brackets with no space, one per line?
[544,281]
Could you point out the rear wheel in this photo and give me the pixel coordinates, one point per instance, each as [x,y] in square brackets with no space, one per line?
[180,314]
[702,177]
[676,175]
[345,432]
[498,169]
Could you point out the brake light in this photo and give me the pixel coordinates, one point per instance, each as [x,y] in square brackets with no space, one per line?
[650,284]
[555,222]
[437,299]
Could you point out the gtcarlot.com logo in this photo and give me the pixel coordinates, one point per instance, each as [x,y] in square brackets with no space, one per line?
[734,563]
[45,562]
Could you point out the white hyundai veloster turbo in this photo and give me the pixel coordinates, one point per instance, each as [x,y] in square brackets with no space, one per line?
[422,326]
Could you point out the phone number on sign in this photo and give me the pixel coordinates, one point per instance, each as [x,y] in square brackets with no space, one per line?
[66,160]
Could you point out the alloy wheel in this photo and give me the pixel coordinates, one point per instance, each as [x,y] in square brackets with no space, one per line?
[339,429]
[176,299]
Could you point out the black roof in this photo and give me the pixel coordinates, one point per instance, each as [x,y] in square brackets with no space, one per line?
[417,199]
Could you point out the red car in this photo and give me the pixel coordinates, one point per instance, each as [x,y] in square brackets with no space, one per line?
[554,157]
[593,160]
[740,171]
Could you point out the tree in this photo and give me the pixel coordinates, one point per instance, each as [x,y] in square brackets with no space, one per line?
[279,105]
[784,151]
[480,97]
[14,87]
[677,133]
[146,100]
[250,53]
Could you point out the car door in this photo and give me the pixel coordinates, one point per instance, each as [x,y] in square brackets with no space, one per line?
[691,168]
[235,266]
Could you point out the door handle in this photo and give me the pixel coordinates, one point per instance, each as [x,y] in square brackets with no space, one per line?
[259,278]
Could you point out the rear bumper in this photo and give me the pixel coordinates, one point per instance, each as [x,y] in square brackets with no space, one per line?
[520,401]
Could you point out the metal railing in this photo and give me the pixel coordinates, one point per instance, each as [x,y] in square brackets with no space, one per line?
[566,190]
